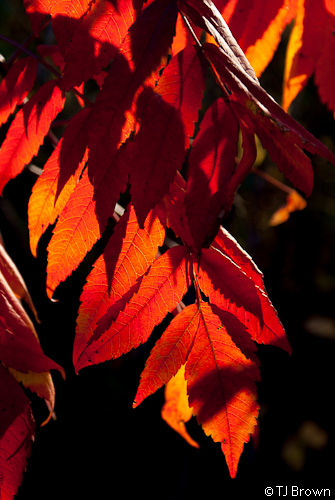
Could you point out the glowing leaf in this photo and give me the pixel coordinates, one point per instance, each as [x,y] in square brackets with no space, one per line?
[28,129]
[221,387]
[65,15]
[96,40]
[127,256]
[311,51]
[293,202]
[211,165]
[20,348]
[176,410]
[16,85]
[285,139]
[166,125]
[160,291]
[169,353]
[17,430]
[257,26]
[58,180]
[14,279]
[237,289]
[111,122]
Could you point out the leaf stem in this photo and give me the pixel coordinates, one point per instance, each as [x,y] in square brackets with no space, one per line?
[188,24]
[275,182]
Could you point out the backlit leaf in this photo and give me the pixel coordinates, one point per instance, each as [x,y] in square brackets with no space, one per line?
[15,280]
[160,291]
[20,348]
[221,387]
[211,165]
[58,180]
[166,125]
[257,26]
[176,410]
[169,353]
[65,15]
[310,51]
[127,256]
[293,202]
[28,129]
[16,85]
[17,430]
[96,40]
[233,288]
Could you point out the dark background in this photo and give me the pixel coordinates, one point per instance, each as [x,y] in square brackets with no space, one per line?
[99,447]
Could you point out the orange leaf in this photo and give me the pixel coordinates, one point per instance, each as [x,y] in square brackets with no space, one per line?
[111,122]
[127,256]
[257,26]
[169,353]
[311,50]
[59,178]
[183,36]
[16,85]
[65,15]
[176,410]
[221,387]
[293,202]
[17,430]
[28,129]
[160,291]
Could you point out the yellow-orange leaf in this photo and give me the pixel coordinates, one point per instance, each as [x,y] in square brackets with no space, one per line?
[176,411]
[293,202]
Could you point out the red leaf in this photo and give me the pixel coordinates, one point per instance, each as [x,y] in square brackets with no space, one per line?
[236,289]
[15,280]
[20,348]
[311,51]
[112,120]
[166,125]
[221,387]
[257,26]
[64,16]
[77,230]
[205,14]
[17,429]
[174,210]
[244,166]
[127,256]
[225,242]
[96,40]
[28,129]
[59,178]
[211,165]
[169,353]
[160,291]
[280,132]
[16,85]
